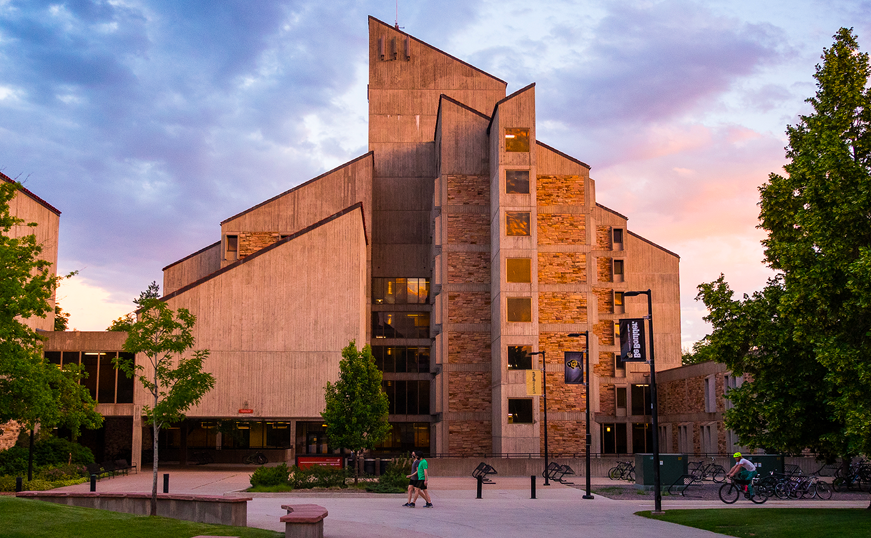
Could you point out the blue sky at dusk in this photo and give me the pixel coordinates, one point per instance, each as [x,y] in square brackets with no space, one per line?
[148,123]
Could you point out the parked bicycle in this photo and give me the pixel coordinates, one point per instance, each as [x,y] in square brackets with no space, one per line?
[707,471]
[625,470]
[858,476]
[258,458]
[731,491]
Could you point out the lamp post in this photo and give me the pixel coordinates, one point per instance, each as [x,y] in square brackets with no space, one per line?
[589,439]
[544,384]
[654,416]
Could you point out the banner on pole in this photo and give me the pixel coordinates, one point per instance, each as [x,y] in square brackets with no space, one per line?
[632,345]
[533,383]
[574,367]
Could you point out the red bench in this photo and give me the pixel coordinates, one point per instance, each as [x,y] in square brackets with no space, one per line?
[304,520]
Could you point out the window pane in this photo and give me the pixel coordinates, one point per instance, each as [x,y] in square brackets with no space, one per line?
[378,290]
[621,397]
[412,288]
[278,435]
[232,243]
[517,181]
[53,357]
[401,363]
[423,293]
[400,325]
[125,384]
[519,269]
[640,399]
[519,411]
[520,309]
[389,360]
[618,267]
[608,433]
[70,357]
[618,235]
[412,395]
[106,392]
[516,223]
[618,298]
[389,388]
[89,361]
[401,291]
[423,359]
[519,357]
[401,397]
[517,139]
[423,399]
[622,445]
[390,291]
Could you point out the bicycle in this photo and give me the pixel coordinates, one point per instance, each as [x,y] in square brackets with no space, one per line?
[624,470]
[732,490]
[701,471]
[202,458]
[258,458]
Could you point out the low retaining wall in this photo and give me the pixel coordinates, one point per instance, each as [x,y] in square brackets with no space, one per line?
[198,508]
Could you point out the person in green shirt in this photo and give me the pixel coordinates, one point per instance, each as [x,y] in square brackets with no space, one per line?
[422,479]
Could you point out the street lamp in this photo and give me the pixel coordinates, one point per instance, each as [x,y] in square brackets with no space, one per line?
[656,484]
[544,383]
[589,440]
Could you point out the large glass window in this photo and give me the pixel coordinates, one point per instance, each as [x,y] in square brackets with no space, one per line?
[614,439]
[519,357]
[232,247]
[400,290]
[618,267]
[407,397]
[642,437]
[516,139]
[641,400]
[401,359]
[400,324]
[517,223]
[90,362]
[517,181]
[520,309]
[518,270]
[407,436]
[519,411]
[106,382]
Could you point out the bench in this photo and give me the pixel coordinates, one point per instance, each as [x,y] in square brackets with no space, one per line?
[97,469]
[304,520]
[482,471]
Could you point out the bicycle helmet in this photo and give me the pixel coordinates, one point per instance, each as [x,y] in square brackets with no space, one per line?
[736,455]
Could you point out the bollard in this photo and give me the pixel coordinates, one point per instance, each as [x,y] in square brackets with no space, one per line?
[480,486]
[166,483]
[19,484]
[93,483]
[532,483]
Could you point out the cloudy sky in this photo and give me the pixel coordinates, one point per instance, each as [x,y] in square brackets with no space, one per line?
[148,122]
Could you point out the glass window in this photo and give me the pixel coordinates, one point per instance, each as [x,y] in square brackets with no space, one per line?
[232,247]
[70,357]
[519,269]
[618,267]
[642,437]
[400,290]
[406,436]
[519,358]
[106,389]
[517,181]
[277,435]
[520,309]
[519,411]
[618,298]
[125,384]
[400,325]
[90,362]
[516,139]
[621,397]
[53,357]
[618,235]
[517,223]
[407,397]
[614,439]
[641,400]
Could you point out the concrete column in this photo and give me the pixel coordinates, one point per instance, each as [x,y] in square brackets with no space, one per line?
[136,445]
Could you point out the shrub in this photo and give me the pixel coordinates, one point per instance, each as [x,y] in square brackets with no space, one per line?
[56,451]
[62,472]
[13,461]
[317,476]
[7,483]
[270,476]
[394,478]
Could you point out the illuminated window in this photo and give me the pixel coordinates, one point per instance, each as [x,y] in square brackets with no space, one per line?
[517,182]
[516,140]
[519,411]
[614,439]
[618,298]
[400,324]
[401,359]
[519,358]
[519,269]
[520,309]
[400,290]
[517,223]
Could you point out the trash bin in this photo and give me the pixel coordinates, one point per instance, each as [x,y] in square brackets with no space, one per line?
[671,467]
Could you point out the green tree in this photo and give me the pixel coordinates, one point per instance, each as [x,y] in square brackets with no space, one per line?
[805,337]
[176,382]
[32,391]
[123,323]
[61,318]
[356,406]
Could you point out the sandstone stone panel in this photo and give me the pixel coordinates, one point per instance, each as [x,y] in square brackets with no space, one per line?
[562,397]
[603,238]
[468,267]
[251,242]
[562,308]
[604,270]
[605,366]
[469,348]
[470,437]
[562,267]
[560,190]
[605,331]
[563,437]
[468,190]
[469,391]
[605,299]
[608,400]
[561,229]
[469,307]
[469,229]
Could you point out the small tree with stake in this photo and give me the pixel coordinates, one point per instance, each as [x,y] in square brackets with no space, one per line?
[176,383]
[356,406]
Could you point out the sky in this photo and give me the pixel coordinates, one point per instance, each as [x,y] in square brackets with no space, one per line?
[147,123]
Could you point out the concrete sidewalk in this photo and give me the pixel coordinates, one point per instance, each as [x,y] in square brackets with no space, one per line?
[506,509]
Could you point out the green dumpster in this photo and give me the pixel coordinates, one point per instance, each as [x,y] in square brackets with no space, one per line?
[671,467]
[765,463]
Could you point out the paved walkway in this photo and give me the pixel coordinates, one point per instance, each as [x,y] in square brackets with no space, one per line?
[505,511]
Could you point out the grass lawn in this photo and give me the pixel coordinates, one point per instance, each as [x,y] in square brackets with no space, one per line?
[29,518]
[774,522]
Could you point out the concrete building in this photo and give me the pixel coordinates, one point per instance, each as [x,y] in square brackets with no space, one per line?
[460,246]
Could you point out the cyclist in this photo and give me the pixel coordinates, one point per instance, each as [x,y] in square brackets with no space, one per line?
[745,471]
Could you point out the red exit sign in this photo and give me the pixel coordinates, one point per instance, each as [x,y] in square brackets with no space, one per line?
[246,411]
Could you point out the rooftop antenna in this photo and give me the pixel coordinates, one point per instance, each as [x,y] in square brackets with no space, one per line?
[396,22]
